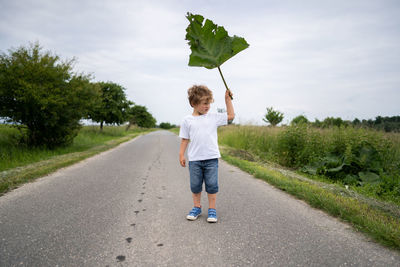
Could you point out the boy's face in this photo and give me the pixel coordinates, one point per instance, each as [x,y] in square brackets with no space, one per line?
[203,107]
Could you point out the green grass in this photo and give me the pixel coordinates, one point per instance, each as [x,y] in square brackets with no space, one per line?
[379,225]
[174,130]
[20,164]
[14,155]
[298,147]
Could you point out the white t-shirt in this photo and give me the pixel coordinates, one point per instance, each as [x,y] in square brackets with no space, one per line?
[202,132]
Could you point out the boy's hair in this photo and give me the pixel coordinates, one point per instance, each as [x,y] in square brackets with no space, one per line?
[197,93]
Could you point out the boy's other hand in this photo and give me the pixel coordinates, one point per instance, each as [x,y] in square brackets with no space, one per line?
[182,160]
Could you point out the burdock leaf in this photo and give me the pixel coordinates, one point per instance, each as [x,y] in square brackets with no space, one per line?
[210,44]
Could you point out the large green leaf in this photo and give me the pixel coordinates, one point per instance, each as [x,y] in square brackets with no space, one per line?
[369,177]
[210,44]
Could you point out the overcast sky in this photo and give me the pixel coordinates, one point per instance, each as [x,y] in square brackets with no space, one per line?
[313,58]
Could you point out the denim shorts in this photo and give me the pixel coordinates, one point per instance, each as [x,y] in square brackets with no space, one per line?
[204,170]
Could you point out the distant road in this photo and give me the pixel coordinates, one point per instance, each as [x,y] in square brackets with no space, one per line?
[127,207]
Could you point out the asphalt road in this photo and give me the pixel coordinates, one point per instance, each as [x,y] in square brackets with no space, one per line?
[127,207]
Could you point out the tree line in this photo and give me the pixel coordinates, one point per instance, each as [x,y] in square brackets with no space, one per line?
[40,93]
[387,124]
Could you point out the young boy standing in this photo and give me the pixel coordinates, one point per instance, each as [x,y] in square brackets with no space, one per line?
[200,129]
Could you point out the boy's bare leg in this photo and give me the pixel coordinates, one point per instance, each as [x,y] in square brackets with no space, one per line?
[196,199]
[212,198]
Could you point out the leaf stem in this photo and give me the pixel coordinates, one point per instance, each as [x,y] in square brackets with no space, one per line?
[226,86]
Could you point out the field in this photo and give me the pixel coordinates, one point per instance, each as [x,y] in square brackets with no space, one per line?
[20,164]
[366,160]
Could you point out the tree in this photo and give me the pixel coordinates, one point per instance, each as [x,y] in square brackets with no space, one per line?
[273,117]
[41,93]
[141,117]
[331,121]
[167,125]
[317,123]
[299,120]
[356,122]
[112,105]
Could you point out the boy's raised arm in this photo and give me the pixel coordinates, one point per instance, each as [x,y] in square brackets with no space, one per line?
[229,106]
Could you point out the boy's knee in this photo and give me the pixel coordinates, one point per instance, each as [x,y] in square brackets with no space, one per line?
[196,188]
[212,189]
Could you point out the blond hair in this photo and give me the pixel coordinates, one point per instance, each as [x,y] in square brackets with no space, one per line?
[198,93]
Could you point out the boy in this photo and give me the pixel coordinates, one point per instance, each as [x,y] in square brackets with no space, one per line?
[200,129]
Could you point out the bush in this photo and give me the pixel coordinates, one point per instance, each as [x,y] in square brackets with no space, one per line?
[299,120]
[167,125]
[291,144]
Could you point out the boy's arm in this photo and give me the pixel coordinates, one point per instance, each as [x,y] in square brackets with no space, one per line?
[229,106]
[182,150]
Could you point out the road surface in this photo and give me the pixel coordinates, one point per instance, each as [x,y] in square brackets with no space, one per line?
[127,207]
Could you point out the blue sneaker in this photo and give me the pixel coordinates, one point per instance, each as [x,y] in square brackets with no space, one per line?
[193,214]
[212,216]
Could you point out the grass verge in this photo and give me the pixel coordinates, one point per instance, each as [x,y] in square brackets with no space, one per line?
[175,130]
[379,225]
[14,177]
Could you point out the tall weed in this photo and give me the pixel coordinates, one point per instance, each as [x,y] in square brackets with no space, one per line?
[355,156]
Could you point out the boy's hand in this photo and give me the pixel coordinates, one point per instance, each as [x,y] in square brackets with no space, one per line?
[228,95]
[182,160]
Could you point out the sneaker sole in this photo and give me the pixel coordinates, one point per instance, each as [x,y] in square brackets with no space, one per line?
[212,220]
[192,218]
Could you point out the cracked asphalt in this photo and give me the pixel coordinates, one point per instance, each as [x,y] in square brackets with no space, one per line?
[127,207]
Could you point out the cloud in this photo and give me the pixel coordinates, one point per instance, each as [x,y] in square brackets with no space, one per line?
[319,59]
